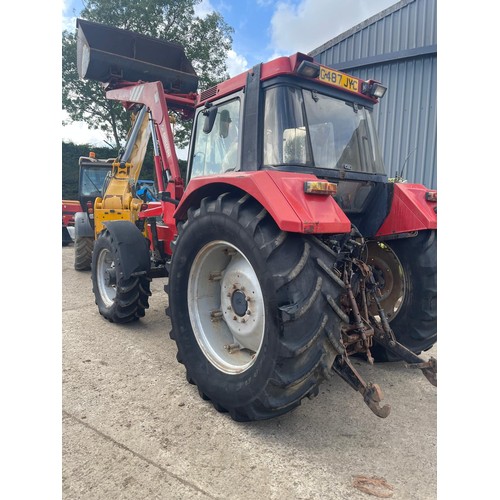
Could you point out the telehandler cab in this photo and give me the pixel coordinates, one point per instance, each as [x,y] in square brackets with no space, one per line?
[93,178]
[284,259]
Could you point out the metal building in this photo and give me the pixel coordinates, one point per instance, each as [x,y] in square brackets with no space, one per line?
[397,47]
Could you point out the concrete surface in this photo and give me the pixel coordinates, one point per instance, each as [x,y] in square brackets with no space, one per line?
[133,428]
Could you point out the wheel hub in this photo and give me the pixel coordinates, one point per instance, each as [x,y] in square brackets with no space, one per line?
[239,303]
[106,277]
[110,276]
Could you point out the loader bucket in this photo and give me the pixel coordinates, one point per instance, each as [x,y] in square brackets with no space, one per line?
[106,53]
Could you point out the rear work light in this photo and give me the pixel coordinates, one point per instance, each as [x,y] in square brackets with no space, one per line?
[320,187]
[309,69]
[373,89]
[431,196]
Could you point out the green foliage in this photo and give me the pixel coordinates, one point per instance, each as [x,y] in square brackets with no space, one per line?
[72,152]
[86,100]
[206,42]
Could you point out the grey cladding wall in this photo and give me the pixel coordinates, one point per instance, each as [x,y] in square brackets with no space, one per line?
[397,47]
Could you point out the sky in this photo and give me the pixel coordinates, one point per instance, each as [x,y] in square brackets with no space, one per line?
[263,30]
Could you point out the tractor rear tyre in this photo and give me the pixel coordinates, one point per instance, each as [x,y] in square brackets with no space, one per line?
[406,269]
[249,309]
[118,299]
[83,253]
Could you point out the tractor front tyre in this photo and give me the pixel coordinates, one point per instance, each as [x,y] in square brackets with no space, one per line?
[249,309]
[406,270]
[83,253]
[119,299]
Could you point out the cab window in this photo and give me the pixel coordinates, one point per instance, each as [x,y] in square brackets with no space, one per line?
[216,151]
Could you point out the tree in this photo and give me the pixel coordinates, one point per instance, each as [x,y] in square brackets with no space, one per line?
[206,42]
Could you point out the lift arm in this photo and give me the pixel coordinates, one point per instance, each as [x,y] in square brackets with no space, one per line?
[153,96]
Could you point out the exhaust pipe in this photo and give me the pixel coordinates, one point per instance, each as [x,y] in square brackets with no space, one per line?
[108,54]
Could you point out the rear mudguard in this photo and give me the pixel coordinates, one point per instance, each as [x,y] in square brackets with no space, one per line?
[83,229]
[410,211]
[132,247]
[280,193]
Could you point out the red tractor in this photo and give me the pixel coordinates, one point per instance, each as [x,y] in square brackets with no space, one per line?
[69,209]
[288,251]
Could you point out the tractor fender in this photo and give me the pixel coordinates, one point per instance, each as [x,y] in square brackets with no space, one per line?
[280,193]
[132,247]
[410,210]
[83,229]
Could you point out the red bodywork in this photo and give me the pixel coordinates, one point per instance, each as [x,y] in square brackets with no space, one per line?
[166,229]
[410,211]
[69,209]
[286,65]
[281,194]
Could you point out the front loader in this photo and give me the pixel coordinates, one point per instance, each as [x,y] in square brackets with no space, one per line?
[283,259]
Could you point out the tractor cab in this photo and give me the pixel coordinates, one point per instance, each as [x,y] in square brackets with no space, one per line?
[305,123]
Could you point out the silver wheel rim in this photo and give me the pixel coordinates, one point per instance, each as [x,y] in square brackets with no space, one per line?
[105,266]
[226,307]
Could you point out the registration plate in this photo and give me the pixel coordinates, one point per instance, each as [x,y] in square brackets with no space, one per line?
[338,79]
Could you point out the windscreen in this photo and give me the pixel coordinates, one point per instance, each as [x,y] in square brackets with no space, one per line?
[304,127]
[92,180]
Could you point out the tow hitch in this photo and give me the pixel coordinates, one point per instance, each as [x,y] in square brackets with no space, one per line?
[385,336]
[358,336]
[372,395]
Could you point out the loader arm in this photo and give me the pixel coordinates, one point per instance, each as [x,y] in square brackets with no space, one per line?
[153,96]
[118,201]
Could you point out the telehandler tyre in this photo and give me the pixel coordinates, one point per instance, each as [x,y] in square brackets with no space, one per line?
[119,299]
[407,271]
[249,309]
[83,253]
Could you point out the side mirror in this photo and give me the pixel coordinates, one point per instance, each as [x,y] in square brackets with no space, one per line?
[210,115]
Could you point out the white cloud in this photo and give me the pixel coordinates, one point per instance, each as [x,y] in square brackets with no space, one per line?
[69,23]
[203,9]
[304,26]
[236,63]
[68,15]
[79,133]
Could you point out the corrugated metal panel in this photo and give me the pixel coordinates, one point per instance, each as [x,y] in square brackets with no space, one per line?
[398,48]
